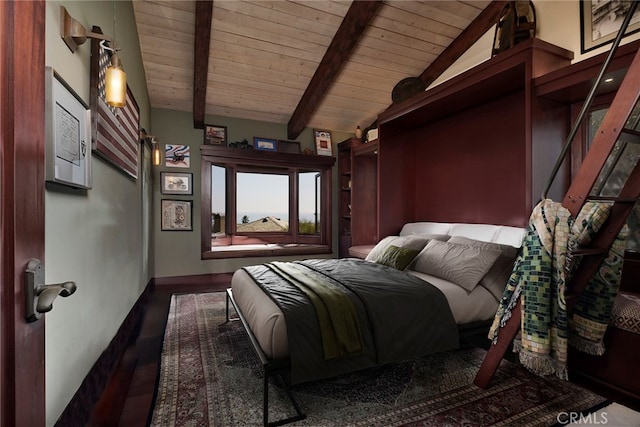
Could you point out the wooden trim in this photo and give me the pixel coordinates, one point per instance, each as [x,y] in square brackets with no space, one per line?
[219,281]
[504,74]
[572,83]
[78,411]
[234,160]
[266,158]
[22,370]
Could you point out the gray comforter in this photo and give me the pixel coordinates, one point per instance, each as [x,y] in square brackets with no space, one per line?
[401,316]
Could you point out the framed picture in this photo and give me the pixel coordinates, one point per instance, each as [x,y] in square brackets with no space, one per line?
[215,135]
[176,183]
[600,22]
[265,144]
[322,140]
[177,156]
[292,147]
[67,133]
[176,215]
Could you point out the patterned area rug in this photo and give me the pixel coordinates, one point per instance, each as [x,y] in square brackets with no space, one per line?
[210,376]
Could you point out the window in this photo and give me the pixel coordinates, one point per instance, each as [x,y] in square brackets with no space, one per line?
[259,203]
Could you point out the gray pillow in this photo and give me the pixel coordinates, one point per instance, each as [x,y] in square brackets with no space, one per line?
[412,242]
[463,265]
[496,278]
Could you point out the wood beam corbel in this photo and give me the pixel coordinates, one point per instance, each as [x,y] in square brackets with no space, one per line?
[201,46]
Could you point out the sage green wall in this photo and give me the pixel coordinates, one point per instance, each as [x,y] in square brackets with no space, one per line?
[97,238]
[177,253]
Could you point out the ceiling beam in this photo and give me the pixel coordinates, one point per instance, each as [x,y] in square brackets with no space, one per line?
[476,29]
[202,40]
[353,25]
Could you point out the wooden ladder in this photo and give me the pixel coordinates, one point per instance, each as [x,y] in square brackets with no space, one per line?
[620,130]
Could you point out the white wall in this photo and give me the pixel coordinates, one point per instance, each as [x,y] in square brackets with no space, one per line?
[95,237]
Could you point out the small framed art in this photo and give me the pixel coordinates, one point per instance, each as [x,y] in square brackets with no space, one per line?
[322,140]
[215,135]
[601,20]
[176,215]
[292,147]
[176,183]
[265,144]
[67,134]
[177,156]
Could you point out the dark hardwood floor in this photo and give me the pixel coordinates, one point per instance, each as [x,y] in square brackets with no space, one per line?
[128,398]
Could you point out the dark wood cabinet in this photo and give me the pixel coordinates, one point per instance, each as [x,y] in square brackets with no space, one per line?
[477,148]
[364,196]
[344,196]
[358,197]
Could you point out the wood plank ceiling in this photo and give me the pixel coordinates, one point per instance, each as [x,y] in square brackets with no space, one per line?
[300,63]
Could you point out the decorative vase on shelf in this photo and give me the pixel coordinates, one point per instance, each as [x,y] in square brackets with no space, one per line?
[358,132]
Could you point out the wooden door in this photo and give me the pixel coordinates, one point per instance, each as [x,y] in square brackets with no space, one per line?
[22,53]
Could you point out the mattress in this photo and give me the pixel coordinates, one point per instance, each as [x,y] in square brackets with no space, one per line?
[269,326]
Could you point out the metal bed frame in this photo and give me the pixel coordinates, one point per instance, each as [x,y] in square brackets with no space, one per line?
[468,334]
[270,367]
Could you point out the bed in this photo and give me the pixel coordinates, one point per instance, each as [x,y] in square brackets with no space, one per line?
[413,294]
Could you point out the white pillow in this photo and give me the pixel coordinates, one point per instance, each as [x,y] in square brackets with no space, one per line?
[463,265]
[412,242]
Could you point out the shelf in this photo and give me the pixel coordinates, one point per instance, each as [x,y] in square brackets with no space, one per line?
[345,189]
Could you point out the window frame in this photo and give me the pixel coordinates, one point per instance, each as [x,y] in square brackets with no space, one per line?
[286,243]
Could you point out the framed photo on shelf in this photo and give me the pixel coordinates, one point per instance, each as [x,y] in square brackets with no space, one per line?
[215,135]
[600,22]
[292,147]
[322,140]
[176,183]
[176,215]
[265,144]
[67,134]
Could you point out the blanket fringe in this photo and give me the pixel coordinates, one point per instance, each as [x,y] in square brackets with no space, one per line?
[542,364]
[587,346]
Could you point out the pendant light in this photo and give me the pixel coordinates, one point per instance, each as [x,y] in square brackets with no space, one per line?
[74,34]
[115,80]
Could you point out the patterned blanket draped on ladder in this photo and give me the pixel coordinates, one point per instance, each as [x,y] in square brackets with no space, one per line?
[539,278]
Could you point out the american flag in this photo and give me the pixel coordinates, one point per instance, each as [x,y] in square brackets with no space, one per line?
[114,131]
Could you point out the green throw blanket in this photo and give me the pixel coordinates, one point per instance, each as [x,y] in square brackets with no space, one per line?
[539,277]
[337,316]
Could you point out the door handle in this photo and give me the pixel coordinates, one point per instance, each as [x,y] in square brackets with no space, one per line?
[38,296]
